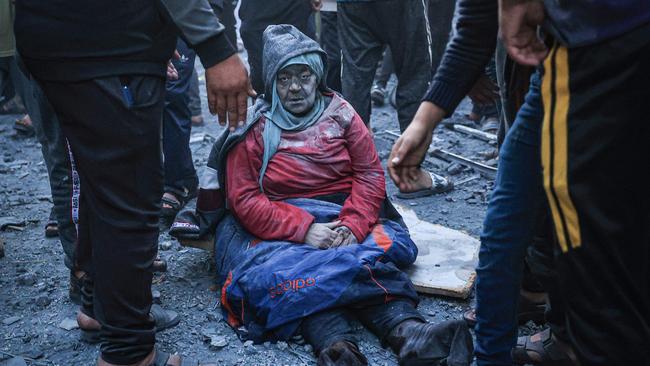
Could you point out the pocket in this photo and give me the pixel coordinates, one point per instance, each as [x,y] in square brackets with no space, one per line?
[133,92]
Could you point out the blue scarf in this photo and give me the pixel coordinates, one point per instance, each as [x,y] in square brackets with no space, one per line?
[279,119]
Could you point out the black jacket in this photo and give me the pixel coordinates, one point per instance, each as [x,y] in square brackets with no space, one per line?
[467,54]
[73,40]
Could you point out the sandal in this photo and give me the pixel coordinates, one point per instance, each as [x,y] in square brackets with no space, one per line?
[162,358]
[176,201]
[52,226]
[526,311]
[439,184]
[24,127]
[164,319]
[541,349]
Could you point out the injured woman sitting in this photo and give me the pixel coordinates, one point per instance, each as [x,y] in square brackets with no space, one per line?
[309,242]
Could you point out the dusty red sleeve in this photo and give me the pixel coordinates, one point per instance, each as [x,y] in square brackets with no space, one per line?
[361,210]
[266,219]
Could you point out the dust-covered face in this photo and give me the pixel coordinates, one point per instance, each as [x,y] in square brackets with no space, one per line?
[296,86]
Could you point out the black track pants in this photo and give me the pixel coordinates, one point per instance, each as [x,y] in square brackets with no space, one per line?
[595,154]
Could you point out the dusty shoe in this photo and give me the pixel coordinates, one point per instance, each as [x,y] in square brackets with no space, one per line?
[418,343]
[378,95]
[341,354]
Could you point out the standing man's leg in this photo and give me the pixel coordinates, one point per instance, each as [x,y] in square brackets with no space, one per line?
[361,51]
[64,179]
[195,100]
[408,37]
[594,136]
[181,180]
[256,15]
[440,14]
[330,42]
[507,232]
[115,139]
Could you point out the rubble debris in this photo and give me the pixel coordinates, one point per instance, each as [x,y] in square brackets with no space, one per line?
[2,248]
[28,279]
[166,245]
[43,301]
[485,136]
[155,297]
[68,324]
[218,342]
[486,170]
[455,169]
[10,222]
[10,320]
[16,361]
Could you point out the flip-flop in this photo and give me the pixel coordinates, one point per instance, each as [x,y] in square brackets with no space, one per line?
[439,184]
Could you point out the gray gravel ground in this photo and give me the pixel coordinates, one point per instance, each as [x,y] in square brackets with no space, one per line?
[34,307]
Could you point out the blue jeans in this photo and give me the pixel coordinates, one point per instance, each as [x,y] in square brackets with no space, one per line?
[508,231]
[177,126]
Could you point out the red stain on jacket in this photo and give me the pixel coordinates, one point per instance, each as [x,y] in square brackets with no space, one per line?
[336,155]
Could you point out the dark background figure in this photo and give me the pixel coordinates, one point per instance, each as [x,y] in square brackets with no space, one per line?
[256,15]
[366,27]
[385,70]
[329,40]
[181,181]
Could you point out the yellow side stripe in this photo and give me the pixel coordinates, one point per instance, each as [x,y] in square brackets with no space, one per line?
[560,178]
[546,148]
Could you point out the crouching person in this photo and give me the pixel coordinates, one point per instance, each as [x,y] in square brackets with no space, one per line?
[309,241]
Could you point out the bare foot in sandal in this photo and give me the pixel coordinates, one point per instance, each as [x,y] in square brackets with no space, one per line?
[424,184]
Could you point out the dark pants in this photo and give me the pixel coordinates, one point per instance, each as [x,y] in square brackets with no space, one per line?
[507,231]
[329,38]
[64,179]
[256,15]
[180,174]
[386,69]
[195,95]
[330,326]
[115,141]
[364,29]
[595,155]
[540,259]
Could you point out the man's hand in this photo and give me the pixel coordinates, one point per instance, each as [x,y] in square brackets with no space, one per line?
[344,237]
[316,4]
[410,149]
[484,91]
[321,235]
[518,22]
[172,73]
[228,87]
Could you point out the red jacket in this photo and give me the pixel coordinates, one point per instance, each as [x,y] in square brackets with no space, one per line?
[336,155]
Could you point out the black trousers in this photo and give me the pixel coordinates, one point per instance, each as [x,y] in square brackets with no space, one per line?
[114,128]
[329,39]
[256,15]
[366,27]
[334,325]
[595,152]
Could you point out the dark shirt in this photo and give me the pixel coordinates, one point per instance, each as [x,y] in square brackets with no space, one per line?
[467,53]
[73,40]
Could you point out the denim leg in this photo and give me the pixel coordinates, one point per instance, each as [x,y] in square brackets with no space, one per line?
[507,232]
[177,126]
